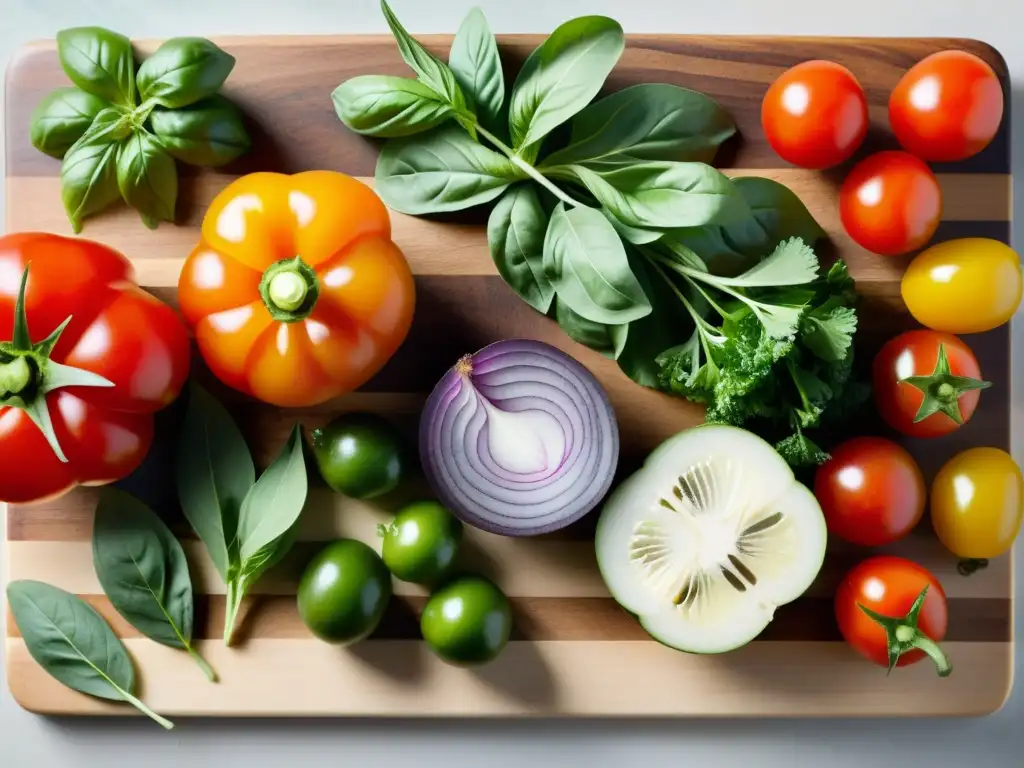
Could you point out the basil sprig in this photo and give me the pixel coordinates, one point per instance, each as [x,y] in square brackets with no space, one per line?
[575,226]
[247,524]
[119,129]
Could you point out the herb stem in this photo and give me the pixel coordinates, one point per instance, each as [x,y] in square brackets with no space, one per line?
[231,612]
[211,675]
[526,168]
[138,704]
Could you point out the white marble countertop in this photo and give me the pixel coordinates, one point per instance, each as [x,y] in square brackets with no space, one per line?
[996,741]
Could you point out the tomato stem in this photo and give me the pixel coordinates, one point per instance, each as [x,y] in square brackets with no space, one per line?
[16,377]
[290,289]
[942,390]
[902,634]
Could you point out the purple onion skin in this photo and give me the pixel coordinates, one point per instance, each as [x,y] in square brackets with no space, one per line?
[450,385]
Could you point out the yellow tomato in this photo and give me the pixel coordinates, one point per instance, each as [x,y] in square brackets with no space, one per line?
[976,503]
[969,285]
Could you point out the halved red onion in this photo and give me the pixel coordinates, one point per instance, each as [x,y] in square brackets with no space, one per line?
[519,439]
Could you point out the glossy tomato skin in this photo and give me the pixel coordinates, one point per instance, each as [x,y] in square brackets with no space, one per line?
[916,353]
[871,491]
[364,300]
[968,285]
[947,107]
[815,114]
[890,203]
[889,586]
[977,502]
[117,331]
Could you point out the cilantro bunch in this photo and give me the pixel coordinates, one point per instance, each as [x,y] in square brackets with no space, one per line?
[773,344]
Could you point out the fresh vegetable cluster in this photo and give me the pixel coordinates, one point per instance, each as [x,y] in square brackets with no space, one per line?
[119,129]
[607,216]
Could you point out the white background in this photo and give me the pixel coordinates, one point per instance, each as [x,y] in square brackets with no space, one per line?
[27,741]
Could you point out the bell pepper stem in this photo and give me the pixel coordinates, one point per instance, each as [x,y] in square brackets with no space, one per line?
[289,289]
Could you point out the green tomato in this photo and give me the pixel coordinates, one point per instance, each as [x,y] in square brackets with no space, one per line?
[360,455]
[344,592]
[467,621]
[421,543]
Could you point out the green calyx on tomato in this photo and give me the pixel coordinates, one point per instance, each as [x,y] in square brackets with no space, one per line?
[28,375]
[942,390]
[902,634]
[290,289]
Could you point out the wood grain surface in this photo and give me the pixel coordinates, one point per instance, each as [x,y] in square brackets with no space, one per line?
[574,652]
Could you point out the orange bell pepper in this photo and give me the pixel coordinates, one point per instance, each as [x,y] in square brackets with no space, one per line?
[296,293]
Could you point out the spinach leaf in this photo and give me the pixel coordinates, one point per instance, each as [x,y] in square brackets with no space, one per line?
[609,340]
[650,121]
[88,174]
[515,234]
[432,72]
[214,474]
[477,67]
[61,118]
[384,106]
[274,503]
[99,62]
[588,267]
[562,75]
[74,644]
[445,170]
[662,194]
[147,178]
[143,571]
[184,70]
[207,133]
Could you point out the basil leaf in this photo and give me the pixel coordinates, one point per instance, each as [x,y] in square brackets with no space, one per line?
[562,75]
[476,64]
[184,70]
[667,326]
[634,235]
[588,267]
[214,474]
[445,170]
[61,118]
[662,194]
[147,178]
[88,175]
[609,340]
[274,503]
[143,571]
[432,72]
[99,62]
[73,643]
[380,105]
[650,121]
[208,133]
[515,234]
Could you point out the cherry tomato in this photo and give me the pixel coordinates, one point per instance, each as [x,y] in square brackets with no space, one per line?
[908,614]
[946,107]
[871,491]
[969,285]
[121,356]
[815,114]
[977,503]
[295,291]
[890,203]
[926,383]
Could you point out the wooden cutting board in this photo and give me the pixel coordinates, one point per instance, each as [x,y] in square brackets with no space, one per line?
[574,651]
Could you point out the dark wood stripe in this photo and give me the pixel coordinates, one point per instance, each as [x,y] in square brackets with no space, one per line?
[294,126]
[982,620]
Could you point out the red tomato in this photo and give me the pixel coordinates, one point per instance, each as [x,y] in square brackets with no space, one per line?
[926,383]
[815,114]
[871,491]
[890,203]
[123,356]
[947,107]
[901,630]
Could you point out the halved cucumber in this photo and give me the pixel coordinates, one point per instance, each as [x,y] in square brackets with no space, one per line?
[708,538]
